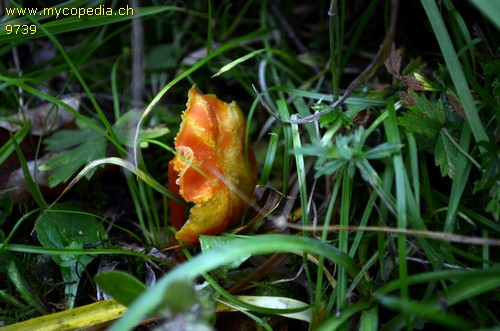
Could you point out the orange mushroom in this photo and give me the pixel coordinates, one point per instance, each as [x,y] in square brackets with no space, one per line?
[212,171]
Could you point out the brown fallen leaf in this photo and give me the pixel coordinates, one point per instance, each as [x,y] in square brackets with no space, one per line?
[43,119]
[16,183]
[393,63]
[457,106]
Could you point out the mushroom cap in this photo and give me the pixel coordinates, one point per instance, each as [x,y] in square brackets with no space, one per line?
[211,168]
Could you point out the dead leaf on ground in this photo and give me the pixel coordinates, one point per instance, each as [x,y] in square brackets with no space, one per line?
[455,104]
[45,118]
[412,83]
[17,181]
[42,120]
[393,62]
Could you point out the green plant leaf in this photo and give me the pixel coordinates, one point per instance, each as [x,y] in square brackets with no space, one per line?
[445,155]
[383,150]
[425,117]
[71,277]
[417,123]
[86,145]
[212,242]
[66,227]
[125,126]
[180,296]
[122,286]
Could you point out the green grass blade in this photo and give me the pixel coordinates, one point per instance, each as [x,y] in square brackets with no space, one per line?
[335,322]
[9,147]
[28,249]
[240,60]
[31,185]
[490,9]
[462,171]
[468,285]
[345,210]
[369,320]
[401,199]
[270,155]
[3,245]
[186,73]
[288,142]
[301,171]
[422,310]
[455,70]
[224,254]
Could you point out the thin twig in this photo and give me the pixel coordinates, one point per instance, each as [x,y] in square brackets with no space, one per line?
[450,237]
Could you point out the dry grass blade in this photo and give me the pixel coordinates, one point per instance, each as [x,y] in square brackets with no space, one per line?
[456,238]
